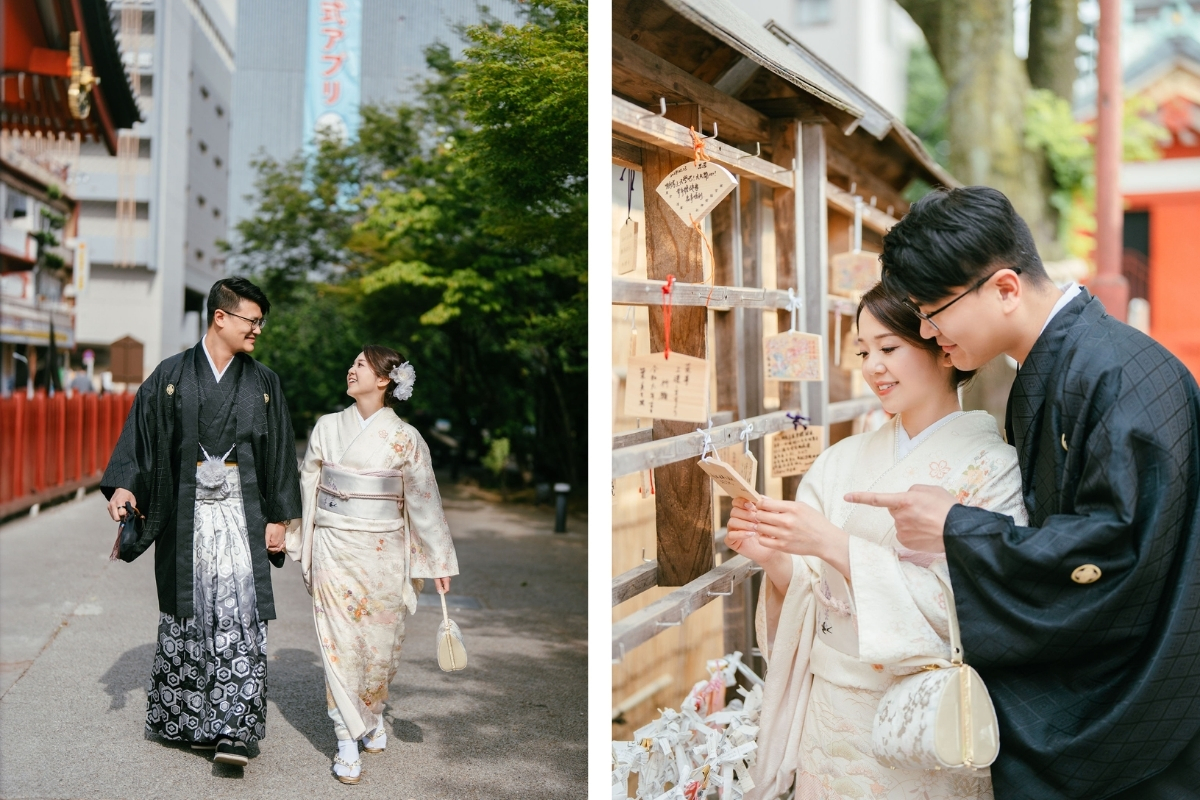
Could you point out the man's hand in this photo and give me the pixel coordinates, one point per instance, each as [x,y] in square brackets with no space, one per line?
[443,584]
[275,537]
[116,506]
[920,514]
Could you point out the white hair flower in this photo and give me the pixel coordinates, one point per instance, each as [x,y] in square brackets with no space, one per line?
[404,376]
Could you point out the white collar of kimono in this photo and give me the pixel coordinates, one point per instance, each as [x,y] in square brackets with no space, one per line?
[217,373]
[1067,296]
[905,445]
[363,423]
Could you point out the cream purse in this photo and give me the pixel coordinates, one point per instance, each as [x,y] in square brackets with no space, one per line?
[451,653]
[939,718]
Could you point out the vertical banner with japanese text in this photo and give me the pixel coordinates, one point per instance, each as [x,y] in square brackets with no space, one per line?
[333,66]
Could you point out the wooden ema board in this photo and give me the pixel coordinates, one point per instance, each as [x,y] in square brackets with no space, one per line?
[728,478]
[627,248]
[667,388]
[744,462]
[793,452]
[694,189]
[793,356]
[853,273]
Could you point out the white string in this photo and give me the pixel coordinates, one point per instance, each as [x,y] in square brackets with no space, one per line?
[745,436]
[708,442]
[793,305]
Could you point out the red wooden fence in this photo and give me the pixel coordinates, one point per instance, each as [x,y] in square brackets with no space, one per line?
[51,446]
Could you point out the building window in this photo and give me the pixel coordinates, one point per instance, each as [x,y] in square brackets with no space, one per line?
[204,92]
[199,255]
[814,12]
[203,147]
[220,111]
[217,160]
[200,199]
[216,213]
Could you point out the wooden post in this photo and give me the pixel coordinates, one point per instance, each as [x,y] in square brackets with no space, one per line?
[815,281]
[683,492]
[789,232]
[727,334]
[749,194]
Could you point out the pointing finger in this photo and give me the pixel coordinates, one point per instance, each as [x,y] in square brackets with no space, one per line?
[878,499]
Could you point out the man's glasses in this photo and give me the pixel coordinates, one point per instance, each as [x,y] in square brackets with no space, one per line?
[261,322]
[929,317]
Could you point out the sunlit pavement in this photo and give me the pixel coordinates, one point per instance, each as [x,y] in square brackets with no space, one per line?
[77,641]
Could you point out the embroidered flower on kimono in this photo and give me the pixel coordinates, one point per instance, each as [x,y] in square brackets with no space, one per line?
[939,470]
[379,549]
[359,610]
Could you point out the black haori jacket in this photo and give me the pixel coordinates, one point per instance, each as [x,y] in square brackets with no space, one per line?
[156,456]
[1096,685]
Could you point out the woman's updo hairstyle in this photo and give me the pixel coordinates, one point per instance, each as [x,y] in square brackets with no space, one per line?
[382,360]
[895,314]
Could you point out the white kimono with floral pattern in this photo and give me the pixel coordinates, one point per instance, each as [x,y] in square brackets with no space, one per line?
[364,574]
[833,647]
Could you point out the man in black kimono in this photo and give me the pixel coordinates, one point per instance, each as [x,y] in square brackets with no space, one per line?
[1085,626]
[208,456]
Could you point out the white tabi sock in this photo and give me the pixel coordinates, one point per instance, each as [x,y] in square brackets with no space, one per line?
[376,739]
[348,752]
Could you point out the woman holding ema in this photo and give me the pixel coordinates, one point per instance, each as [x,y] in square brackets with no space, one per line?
[843,601]
[373,528]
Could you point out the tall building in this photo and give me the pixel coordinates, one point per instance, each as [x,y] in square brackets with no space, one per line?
[154,213]
[273,42]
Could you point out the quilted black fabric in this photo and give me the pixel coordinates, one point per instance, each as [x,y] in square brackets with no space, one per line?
[156,455]
[1096,686]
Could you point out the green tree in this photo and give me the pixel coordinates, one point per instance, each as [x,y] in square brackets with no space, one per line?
[453,229]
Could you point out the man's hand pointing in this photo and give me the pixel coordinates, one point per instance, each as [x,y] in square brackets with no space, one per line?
[920,514]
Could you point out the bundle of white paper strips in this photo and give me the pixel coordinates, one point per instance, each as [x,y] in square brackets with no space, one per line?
[694,753]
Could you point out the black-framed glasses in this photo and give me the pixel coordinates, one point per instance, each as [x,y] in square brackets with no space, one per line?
[929,317]
[260,323]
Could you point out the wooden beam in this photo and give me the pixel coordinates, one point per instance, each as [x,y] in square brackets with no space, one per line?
[634,122]
[638,72]
[726,333]
[683,496]
[649,293]
[625,154]
[872,218]
[644,435]
[846,410]
[672,609]
[635,581]
[868,185]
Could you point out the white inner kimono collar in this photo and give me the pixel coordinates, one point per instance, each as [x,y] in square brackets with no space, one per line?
[905,445]
[363,423]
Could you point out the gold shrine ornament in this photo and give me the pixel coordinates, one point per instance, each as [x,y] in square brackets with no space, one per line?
[83,81]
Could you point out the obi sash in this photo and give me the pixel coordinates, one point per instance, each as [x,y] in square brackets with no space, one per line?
[366,495]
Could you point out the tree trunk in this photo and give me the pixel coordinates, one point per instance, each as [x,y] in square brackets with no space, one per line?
[1053,26]
[972,42]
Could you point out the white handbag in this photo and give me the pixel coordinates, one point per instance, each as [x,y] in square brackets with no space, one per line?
[451,653]
[939,718]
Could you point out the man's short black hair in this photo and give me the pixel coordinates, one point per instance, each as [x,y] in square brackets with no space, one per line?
[227,293]
[951,238]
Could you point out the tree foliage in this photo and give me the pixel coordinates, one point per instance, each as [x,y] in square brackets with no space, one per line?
[454,230]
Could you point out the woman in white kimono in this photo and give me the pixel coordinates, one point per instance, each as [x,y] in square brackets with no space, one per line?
[372,530]
[843,603]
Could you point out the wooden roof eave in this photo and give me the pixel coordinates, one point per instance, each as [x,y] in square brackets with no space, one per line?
[876,120]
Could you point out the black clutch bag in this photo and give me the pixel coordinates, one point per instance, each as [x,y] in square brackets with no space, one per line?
[128,533]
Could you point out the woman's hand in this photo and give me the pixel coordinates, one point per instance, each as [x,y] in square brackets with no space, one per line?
[443,584]
[793,527]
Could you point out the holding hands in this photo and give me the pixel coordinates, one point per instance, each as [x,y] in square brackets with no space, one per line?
[769,530]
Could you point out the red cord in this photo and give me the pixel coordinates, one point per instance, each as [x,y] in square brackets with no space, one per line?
[667,316]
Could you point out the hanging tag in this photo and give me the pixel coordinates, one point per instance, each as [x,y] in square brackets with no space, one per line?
[694,189]
[793,356]
[793,452]
[627,248]
[850,360]
[728,478]
[667,388]
[742,461]
[646,483]
[853,273]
